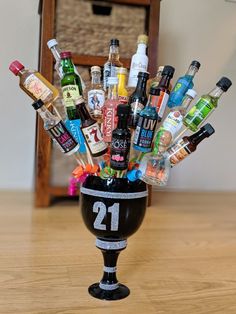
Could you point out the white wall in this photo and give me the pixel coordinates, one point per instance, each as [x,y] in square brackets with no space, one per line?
[206,31]
[19,37]
[190,29]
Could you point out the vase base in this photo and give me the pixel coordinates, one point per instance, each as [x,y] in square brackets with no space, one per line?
[111,295]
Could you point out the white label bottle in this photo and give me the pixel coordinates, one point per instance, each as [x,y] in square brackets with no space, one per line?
[139,61]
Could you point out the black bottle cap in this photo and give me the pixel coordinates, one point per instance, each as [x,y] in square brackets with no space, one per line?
[208,128]
[196,64]
[224,83]
[114,42]
[37,104]
[168,70]
[143,74]
[123,109]
[154,91]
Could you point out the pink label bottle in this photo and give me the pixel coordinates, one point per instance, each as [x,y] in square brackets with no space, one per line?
[110,110]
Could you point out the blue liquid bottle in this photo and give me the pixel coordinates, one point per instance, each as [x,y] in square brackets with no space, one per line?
[146,126]
[182,85]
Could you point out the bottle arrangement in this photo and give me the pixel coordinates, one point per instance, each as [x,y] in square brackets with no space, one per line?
[115,133]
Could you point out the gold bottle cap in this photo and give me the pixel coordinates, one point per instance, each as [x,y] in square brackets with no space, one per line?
[95,68]
[143,39]
[122,70]
[160,68]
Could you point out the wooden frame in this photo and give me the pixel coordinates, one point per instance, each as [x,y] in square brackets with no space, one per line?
[47,11]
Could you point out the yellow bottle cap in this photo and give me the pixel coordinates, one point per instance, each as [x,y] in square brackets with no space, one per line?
[143,39]
[122,70]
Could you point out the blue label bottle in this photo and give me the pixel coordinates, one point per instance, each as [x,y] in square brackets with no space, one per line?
[146,126]
[182,85]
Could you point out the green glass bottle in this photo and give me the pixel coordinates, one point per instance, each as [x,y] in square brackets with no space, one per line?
[71,85]
[206,105]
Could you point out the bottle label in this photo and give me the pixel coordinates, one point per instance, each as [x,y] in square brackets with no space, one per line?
[109,123]
[74,126]
[136,107]
[173,122]
[37,88]
[120,153]
[62,137]
[198,113]
[161,103]
[106,74]
[70,93]
[162,141]
[178,152]
[136,67]
[144,133]
[180,89]
[94,139]
[96,99]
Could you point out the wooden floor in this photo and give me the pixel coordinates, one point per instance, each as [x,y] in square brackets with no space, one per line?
[182,260]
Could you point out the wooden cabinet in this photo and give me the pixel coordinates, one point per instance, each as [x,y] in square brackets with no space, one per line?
[53,15]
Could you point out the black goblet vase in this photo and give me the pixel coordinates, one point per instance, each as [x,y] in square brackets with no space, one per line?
[112,209]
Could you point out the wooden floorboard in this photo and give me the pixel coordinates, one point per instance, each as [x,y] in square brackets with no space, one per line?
[182,260]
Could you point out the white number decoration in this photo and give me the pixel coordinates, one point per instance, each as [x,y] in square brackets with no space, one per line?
[100,209]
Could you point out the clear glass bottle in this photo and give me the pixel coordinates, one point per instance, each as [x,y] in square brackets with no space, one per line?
[171,126]
[96,94]
[206,105]
[113,62]
[139,61]
[56,51]
[34,84]
[56,129]
[183,84]
[110,109]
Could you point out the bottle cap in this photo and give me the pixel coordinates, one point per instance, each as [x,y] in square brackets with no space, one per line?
[37,104]
[65,54]
[142,39]
[196,64]
[209,129]
[192,93]
[121,70]
[15,67]
[224,83]
[143,74]
[168,70]
[95,68]
[112,80]
[134,175]
[160,68]
[114,42]
[123,109]
[52,42]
